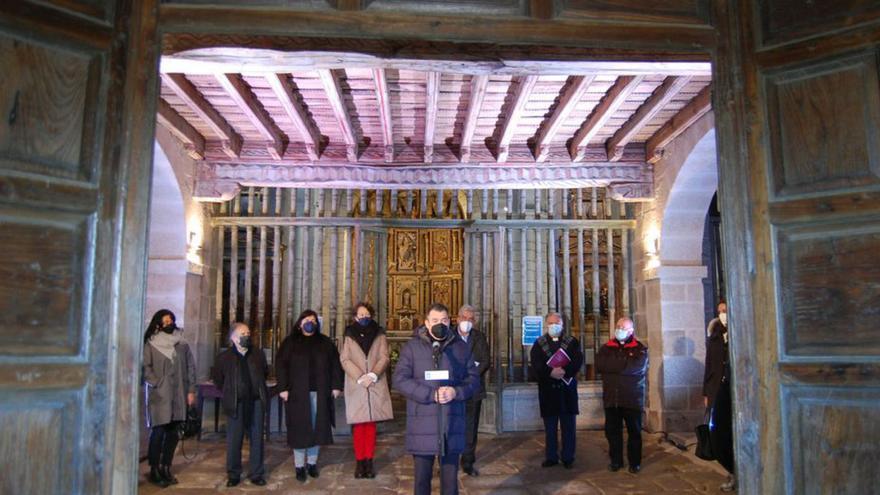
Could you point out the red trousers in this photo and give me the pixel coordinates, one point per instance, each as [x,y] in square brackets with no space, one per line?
[364,435]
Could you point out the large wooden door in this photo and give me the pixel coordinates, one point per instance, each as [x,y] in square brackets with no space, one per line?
[798,114]
[77,91]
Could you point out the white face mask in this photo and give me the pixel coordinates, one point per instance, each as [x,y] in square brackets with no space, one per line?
[621,334]
[723,318]
[554,329]
[465,327]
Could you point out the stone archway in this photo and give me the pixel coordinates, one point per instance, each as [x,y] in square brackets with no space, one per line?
[670,285]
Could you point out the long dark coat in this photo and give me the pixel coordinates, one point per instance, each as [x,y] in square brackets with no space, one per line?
[624,370]
[296,354]
[717,361]
[226,376]
[555,396]
[422,426]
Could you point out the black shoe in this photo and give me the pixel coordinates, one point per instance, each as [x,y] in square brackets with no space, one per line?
[614,467]
[549,463]
[359,470]
[259,481]
[568,464]
[368,469]
[155,477]
[233,481]
[470,471]
[165,471]
[301,474]
[313,470]
[635,468]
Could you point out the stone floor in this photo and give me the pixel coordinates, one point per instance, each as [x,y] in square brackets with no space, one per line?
[508,464]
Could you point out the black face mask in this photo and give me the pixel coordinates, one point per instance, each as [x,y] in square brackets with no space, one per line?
[170,328]
[245,341]
[439,332]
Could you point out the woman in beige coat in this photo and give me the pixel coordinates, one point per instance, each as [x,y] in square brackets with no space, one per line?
[365,359]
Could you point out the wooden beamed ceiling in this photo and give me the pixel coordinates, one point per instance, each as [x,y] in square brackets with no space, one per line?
[428,113]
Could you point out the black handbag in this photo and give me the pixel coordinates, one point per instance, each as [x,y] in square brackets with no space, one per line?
[192,426]
[704,439]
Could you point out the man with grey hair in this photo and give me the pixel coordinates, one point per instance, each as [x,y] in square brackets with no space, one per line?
[555,360]
[475,339]
[240,373]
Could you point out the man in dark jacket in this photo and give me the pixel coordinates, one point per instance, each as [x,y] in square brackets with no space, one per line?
[557,389]
[476,341]
[240,373]
[716,394]
[436,374]
[623,364]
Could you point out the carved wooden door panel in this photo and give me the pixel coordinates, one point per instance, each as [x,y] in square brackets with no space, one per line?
[798,114]
[77,96]
[424,266]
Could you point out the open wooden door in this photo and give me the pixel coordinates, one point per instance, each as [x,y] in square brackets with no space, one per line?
[798,114]
[77,96]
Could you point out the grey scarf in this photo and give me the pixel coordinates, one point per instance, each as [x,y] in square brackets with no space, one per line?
[164,343]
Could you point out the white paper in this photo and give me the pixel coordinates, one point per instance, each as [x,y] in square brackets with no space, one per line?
[436,375]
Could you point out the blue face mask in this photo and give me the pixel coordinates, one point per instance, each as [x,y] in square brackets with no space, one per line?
[555,329]
[309,327]
[365,321]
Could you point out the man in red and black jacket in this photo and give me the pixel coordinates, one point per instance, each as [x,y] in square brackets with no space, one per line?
[623,364]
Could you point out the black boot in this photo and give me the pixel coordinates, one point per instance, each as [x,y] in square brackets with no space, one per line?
[165,471]
[301,474]
[156,477]
[359,470]
[313,470]
[368,469]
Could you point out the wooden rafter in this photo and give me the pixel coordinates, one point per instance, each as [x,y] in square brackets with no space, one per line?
[514,113]
[570,97]
[384,99]
[247,102]
[186,91]
[661,97]
[680,122]
[284,91]
[610,103]
[432,94]
[334,95]
[478,92]
[193,141]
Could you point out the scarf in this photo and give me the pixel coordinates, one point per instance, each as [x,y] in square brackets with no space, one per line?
[164,343]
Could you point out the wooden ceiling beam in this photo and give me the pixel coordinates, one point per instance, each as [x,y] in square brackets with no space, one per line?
[247,102]
[337,103]
[186,91]
[193,141]
[285,93]
[478,93]
[660,98]
[568,100]
[514,112]
[680,122]
[432,94]
[383,96]
[608,106]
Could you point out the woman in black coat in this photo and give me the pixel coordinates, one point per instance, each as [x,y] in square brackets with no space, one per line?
[716,394]
[309,378]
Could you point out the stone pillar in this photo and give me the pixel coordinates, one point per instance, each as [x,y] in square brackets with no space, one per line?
[676,343]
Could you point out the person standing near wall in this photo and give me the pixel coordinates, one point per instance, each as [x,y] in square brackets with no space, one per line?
[309,378]
[436,374]
[240,373]
[170,375]
[557,388]
[479,346]
[716,394]
[365,359]
[623,364]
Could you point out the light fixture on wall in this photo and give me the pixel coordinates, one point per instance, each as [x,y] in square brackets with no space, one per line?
[652,244]
[194,252]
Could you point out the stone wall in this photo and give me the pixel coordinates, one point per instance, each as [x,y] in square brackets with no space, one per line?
[668,273]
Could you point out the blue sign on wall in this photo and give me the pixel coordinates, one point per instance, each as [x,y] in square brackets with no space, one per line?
[532,328]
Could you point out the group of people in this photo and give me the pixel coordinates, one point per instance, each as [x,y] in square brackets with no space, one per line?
[441,373]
